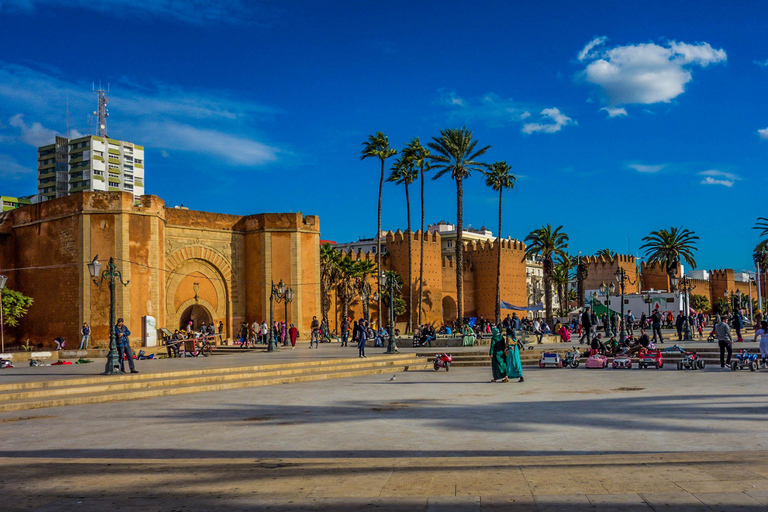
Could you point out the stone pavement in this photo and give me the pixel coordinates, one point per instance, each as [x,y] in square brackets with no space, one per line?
[563,440]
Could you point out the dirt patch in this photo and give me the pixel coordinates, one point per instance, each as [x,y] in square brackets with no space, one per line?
[391,406]
[259,418]
[628,389]
[25,418]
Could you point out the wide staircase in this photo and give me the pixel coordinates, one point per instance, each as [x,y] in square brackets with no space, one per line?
[100,389]
[710,355]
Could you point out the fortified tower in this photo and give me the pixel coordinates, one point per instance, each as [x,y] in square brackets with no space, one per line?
[483,256]
[602,270]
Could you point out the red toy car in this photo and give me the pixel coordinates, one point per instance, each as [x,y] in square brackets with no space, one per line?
[648,358]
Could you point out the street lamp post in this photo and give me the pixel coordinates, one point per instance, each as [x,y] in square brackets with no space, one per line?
[648,300]
[607,290]
[622,277]
[686,287]
[389,279]
[112,275]
[3,280]
[277,293]
[288,299]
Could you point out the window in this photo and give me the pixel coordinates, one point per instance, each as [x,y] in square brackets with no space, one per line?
[115,167]
[138,161]
[128,186]
[128,167]
[113,175]
[98,173]
[128,178]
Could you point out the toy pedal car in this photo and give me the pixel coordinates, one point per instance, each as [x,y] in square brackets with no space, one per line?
[622,362]
[572,359]
[691,361]
[745,360]
[596,360]
[550,359]
[648,358]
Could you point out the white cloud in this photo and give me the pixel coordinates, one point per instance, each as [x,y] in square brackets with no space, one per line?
[190,11]
[35,134]
[586,52]
[490,108]
[715,177]
[646,169]
[164,153]
[645,73]
[615,111]
[11,169]
[763,133]
[552,121]
[762,63]
[450,98]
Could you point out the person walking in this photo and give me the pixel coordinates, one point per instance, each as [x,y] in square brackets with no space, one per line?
[738,324]
[344,332]
[498,355]
[630,323]
[362,337]
[762,334]
[315,336]
[656,325]
[221,332]
[723,333]
[86,333]
[293,333]
[244,335]
[679,323]
[586,325]
[123,346]
[514,365]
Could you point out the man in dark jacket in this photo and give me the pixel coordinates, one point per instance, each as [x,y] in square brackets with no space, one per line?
[738,324]
[123,346]
[586,326]
[679,323]
[344,332]
[656,325]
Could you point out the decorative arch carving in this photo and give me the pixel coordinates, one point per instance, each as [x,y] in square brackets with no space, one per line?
[201,252]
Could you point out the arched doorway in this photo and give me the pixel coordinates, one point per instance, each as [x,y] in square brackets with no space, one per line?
[449,310]
[197,314]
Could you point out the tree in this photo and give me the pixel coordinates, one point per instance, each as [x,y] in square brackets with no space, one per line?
[561,275]
[668,248]
[377,146]
[399,302]
[364,269]
[700,303]
[721,307]
[405,173]
[419,155]
[329,275]
[15,306]
[550,245]
[762,226]
[455,153]
[605,253]
[499,178]
[582,273]
[345,287]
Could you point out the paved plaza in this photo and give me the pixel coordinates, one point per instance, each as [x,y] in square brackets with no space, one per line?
[563,440]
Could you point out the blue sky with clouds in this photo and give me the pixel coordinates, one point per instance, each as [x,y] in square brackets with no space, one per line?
[618,118]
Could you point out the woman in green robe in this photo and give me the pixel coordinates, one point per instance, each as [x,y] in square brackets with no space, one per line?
[498,355]
[468,336]
[514,366]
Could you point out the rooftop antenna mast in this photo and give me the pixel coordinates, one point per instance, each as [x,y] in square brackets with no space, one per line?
[102,113]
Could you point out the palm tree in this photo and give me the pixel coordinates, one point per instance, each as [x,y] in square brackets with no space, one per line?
[329,275]
[668,248]
[499,178]
[561,275]
[762,225]
[550,245]
[419,155]
[377,146]
[345,286]
[582,272]
[405,173]
[455,153]
[364,269]
[605,253]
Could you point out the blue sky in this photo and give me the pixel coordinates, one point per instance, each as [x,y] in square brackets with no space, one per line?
[618,117]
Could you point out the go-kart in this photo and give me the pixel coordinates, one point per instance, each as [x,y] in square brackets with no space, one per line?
[596,360]
[572,359]
[647,358]
[622,362]
[744,360]
[550,359]
[691,361]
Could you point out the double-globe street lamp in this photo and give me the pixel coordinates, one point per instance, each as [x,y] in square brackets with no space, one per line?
[112,275]
[389,280]
[607,290]
[685,286]
[281,293]
[622,277]
[3,280]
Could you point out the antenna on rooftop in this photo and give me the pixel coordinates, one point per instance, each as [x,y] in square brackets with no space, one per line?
[102,113]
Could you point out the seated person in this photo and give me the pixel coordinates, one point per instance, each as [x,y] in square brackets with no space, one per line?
[598,345]
[468,336]
[59,343]
[643,342]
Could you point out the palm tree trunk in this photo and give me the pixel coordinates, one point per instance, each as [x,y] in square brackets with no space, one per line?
[409,326]
[421,242]
[378,247]
[498,266]
[548,289]
[325,302]
[460,251]
[560,299]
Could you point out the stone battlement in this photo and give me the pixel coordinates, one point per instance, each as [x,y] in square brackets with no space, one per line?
[398,237]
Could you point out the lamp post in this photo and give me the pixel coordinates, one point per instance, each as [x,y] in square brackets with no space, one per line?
[607,290]
[389,279]
[112,275]
[686,287]
[3,280]
[277,293]
[622,277]
[648,300]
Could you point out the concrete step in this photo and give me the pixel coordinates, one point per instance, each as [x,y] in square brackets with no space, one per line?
[63,394]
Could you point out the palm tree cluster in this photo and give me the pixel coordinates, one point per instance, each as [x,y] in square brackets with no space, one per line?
[669,248]
[350,278]
[550,245]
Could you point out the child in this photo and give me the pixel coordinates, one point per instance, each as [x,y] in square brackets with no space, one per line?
[59,343]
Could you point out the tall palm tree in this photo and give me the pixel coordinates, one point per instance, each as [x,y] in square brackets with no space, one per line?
[419,155]
[499,178]
[364,269]
[456,154]
[345,286]
[377,146]
[329,275]
[560,277]
[605,253]
[582,273]
[550,245]
[403,172]
[669,248]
